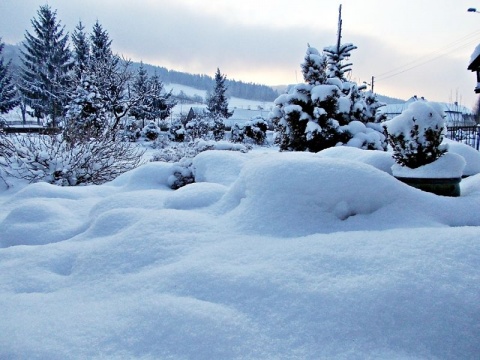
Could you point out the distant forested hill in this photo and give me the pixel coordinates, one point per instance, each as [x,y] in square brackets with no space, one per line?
[239,89]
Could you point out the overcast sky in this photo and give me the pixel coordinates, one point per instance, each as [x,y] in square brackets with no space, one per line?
[412,47]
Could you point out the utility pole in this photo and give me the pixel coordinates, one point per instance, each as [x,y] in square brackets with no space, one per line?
[373,82]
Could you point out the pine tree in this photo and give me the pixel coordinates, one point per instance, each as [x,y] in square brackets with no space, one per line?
[8,92]
[100,43]
[162,102]
[46,64]
[112,76]
[141,87]
[217,103]
[81,49]
[305,118]
[86,115]
[217,106]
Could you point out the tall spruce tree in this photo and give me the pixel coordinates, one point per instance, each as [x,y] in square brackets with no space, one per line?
[217,103]
[217,106]
[112,76]
[46,65]
[161,102]
[141,87]
[8,92]
[81,49]
[94,89]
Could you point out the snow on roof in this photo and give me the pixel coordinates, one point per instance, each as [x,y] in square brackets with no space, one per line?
[473,57]
[248,114]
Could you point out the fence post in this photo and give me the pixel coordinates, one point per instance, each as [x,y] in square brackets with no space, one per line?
[478,137]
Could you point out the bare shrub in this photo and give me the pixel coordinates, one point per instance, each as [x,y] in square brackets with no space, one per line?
[52,159]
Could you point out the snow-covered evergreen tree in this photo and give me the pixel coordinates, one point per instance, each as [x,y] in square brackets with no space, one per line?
[217,102]
[154,103]
[305,118]
[317,114]
[100,43]
[161,102]
[46,65]
[141,87]
[131,131]
[112,76]
[217,106]
[86,117]
[81,49]
[8,92]
[314,67]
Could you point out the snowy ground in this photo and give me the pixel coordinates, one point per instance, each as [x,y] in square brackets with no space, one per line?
[268,256]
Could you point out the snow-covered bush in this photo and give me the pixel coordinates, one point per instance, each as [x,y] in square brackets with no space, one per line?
[198,127]
[367,136]
[161,142]
[177,131]
[182,173]
[131,131]
[217,126]
[416,134]
[255,129]
[57,161]
[151,131]
[237,133]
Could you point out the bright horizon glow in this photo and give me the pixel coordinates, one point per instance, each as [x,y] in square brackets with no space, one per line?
[265,42]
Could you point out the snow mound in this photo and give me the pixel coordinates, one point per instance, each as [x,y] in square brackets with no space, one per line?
[381,160]
[471,156]
[290,194]
[38,222]
[194,196]
[198,273]
[218,166]
[148,176]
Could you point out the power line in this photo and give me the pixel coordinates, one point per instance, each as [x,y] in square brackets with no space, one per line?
[449,48]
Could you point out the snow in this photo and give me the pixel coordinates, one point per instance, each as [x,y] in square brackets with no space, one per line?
[448,166]
[323,92]
[469,154]
[267,256]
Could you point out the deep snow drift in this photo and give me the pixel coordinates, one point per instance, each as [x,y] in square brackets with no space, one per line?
[267,256]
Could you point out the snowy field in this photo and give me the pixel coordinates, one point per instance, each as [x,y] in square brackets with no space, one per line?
[267,256]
